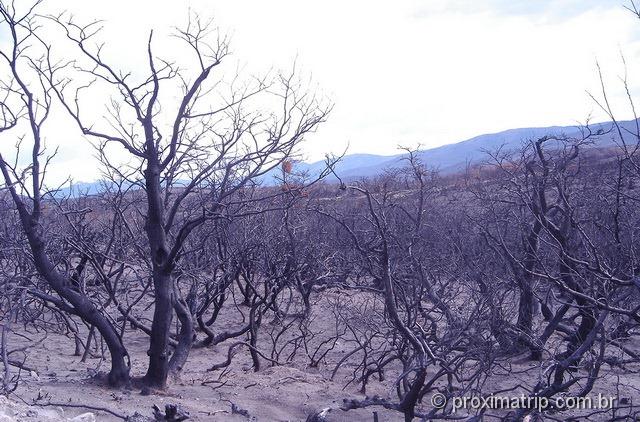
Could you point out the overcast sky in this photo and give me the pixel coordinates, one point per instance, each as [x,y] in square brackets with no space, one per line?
[410,72]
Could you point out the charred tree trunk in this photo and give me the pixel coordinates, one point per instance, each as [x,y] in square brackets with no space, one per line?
[73,300]
[158,352]
[185,337]
[526,303]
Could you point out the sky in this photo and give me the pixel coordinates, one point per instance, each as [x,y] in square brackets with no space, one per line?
[400,73]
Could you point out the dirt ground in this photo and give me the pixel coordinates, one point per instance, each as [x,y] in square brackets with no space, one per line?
[275,393]
[289,392]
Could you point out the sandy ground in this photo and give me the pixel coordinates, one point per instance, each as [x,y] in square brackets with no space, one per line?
[289,392]
[276,393]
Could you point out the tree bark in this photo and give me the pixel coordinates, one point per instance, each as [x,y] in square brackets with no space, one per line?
[158,352]
[185,337]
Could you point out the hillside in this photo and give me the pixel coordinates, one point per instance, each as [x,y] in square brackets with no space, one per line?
[447,158]
[455,157]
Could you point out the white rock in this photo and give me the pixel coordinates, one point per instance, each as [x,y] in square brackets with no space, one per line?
[85,417]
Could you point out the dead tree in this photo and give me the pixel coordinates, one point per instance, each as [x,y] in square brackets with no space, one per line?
[34,98]
[191,170]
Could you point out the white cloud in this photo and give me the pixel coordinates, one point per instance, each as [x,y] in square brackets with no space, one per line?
[404,73]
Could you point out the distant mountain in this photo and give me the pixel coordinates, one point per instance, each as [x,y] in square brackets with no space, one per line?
[455,157]
[447,158]
[81,188]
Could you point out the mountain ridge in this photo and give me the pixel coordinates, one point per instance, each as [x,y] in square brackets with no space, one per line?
[456,156]
[448,158]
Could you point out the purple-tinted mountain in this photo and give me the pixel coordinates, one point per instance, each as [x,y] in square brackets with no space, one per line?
[447,158]
[455,157]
